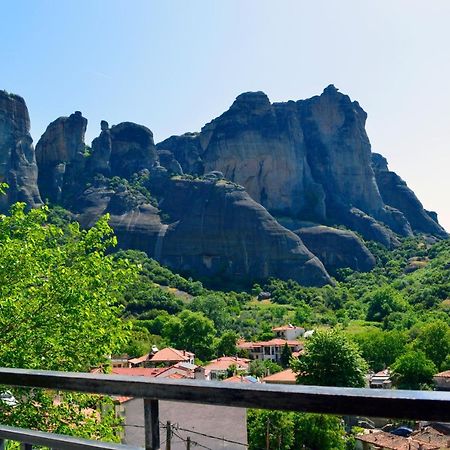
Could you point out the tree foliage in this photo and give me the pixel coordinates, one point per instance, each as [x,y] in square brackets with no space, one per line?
[59,297]
[413,370]
[330,359]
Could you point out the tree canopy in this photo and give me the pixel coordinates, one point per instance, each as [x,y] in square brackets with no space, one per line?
[330,359]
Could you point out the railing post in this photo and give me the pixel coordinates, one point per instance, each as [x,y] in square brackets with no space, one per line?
[24,446]
[151,420]
[2,444]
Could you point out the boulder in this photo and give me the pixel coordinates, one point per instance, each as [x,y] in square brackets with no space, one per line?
[337,249]
[17,156]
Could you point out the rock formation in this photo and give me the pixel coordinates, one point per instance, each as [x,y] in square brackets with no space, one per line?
[337,249]
[309,159]
[207,203]
[223,233]
[60,155]
[397,194]
[17,157]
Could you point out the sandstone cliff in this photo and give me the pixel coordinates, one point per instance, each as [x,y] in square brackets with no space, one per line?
[309,159]
[213,229]
[17,157]
[299,161]
[396,193]
[337,249]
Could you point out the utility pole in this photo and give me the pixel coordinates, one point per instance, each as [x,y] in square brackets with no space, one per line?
[188,443]
[168,435]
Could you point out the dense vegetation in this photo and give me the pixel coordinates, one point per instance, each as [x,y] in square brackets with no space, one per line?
[66,303]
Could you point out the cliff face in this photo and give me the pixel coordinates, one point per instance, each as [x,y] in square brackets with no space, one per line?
[60,155]
[308,159]
[337,249]
[213,229]
[17,158]
[396,193]
[299,161]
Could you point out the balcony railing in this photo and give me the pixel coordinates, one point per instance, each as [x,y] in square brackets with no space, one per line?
[396,404]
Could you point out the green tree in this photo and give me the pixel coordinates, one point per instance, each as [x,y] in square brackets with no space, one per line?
[434,341]
[261,369]
[276,427]
[59,297]
[286,355]
[191,331]
[226,345]
[384,301]
[413,370]
[319,432]
[214,306]
[330,359]
[381,348]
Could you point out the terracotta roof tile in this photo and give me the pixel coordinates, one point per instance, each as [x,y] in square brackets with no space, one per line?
[171,354]
[284,377]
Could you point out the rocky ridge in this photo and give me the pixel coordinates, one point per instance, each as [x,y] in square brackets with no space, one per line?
[207,203]
[309,159]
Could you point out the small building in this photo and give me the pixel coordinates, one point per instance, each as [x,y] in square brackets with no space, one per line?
[288,332]
[381,380]
[208,426]
[219,367]
[271,350]
[442,381]
[170,356]
[419,440]
[284,377]
[241,379]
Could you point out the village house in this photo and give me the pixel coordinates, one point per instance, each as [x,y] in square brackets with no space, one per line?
[442,381]
[284,377]
[424,439]
[381,380]
[241,379]
[218,368]
[269,350]
[208,426]
[288,332]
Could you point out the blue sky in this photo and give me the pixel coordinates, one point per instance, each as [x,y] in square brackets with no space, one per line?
[174,65]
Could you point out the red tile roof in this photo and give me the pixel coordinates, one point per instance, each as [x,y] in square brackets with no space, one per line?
[140,359]
[284,377]
[171,354]
[445,374]
[383,440]
[225,362]
[136,371]
[237,379]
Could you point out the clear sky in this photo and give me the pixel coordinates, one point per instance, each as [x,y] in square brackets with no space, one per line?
[173,65]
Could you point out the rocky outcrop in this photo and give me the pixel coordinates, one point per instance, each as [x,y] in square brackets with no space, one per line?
[132,149]
[60,155]
[17,157]
[397,194]
[308,159]
[337,249]
[223,234]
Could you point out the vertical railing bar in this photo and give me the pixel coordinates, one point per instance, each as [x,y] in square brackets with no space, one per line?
[151,420]
[2,444]
[25,446]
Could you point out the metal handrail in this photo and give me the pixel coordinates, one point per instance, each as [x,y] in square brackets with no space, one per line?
[423,405]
